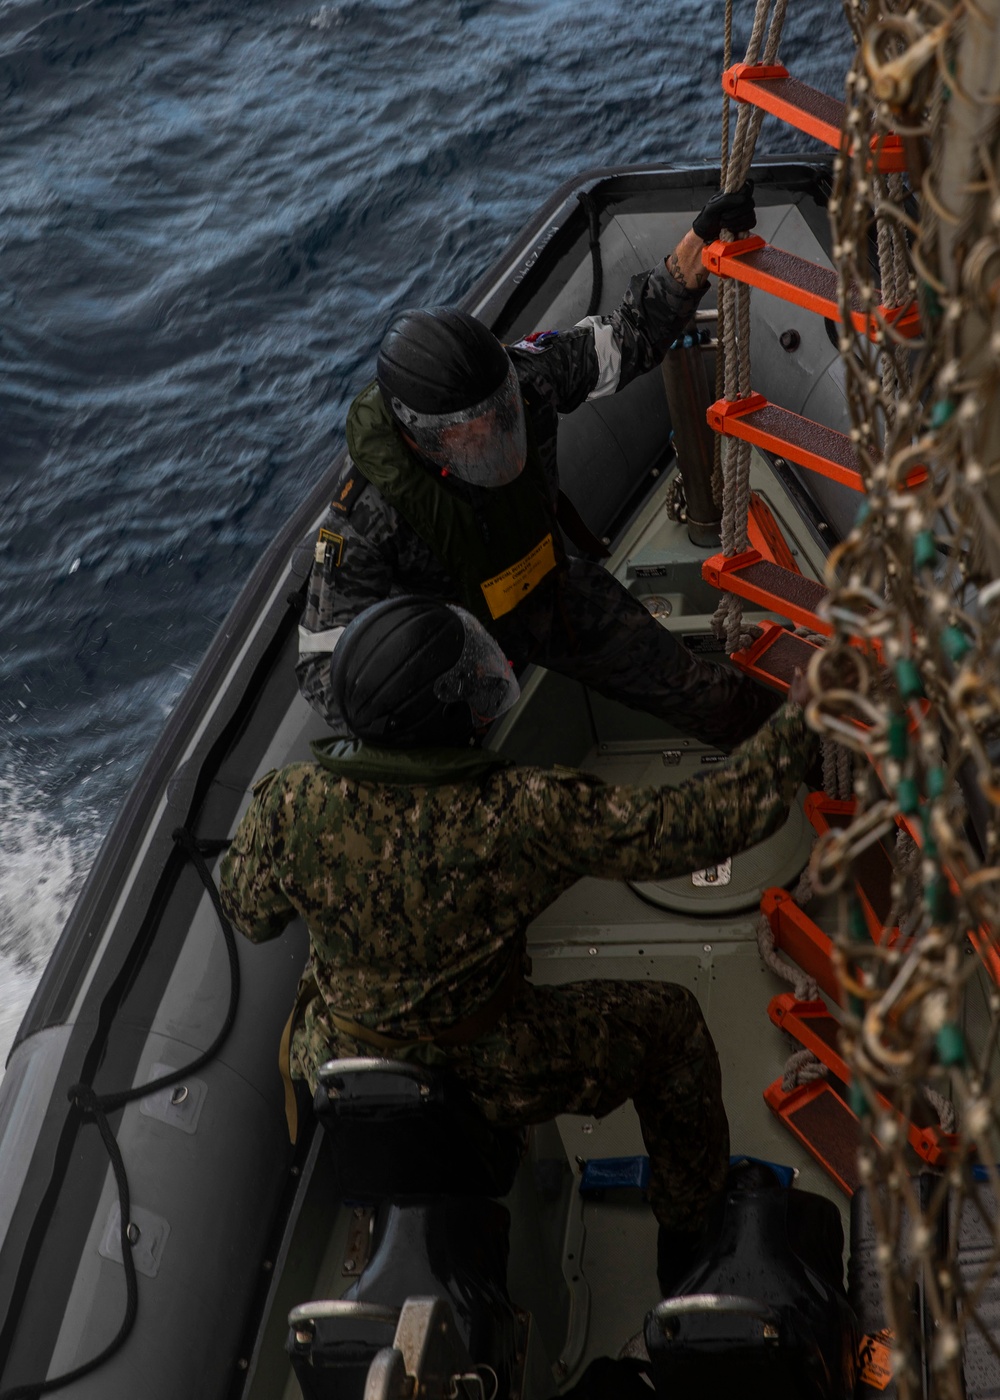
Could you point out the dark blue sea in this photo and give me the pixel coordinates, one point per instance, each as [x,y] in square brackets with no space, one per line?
[209,211]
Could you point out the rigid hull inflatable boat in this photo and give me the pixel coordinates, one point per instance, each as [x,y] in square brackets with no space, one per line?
[410,1246]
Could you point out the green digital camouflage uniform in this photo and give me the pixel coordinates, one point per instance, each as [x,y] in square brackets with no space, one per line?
[417,875]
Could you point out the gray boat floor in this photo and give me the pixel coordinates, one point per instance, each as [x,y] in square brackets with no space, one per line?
[720,963]
[690,931]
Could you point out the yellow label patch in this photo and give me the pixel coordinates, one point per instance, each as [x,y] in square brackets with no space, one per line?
[336,542]
[506,590]
[874,1360]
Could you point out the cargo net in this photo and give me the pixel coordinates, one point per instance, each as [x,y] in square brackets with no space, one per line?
[910,680]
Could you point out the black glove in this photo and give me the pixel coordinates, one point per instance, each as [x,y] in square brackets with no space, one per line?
[733,211]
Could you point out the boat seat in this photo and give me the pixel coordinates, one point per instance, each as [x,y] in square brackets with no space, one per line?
[332,1344]
[763,1311]
[400,1129]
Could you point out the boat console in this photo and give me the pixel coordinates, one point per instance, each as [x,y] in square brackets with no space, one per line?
[399,1129]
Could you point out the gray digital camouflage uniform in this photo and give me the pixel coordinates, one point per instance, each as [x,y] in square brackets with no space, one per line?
[580,620]
[417,876]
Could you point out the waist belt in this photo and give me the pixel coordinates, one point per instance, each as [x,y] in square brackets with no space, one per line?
[307,993]
[463,1032]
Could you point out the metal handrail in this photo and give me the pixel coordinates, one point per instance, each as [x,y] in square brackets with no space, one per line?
[732,1303]
[329,1071]
[341,1307]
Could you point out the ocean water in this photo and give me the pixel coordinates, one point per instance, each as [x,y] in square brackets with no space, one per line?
[209,211]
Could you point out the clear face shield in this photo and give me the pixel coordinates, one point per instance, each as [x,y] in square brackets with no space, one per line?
[482,676]
[485,445]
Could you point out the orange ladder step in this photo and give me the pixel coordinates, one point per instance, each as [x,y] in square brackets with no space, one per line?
[810,1023]
[773,658]
[772,89]
[800,440]
[764,534]
[751,576]
[873,867]
[823,1124]
[802,940]
[804,283]
[983,939]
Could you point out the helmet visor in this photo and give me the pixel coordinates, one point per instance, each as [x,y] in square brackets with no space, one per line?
[482,676]
[485,445]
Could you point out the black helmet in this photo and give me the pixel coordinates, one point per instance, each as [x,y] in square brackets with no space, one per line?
[453,390]
[440,361]
[410,672]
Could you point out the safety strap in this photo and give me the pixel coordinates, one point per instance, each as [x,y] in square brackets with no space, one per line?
[307,993]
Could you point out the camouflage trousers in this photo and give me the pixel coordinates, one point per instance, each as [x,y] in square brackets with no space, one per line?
[586,1047]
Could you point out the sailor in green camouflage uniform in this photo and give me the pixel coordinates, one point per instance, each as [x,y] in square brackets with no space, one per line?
[418,869]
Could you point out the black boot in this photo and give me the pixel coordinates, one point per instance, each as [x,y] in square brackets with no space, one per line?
[676,1255]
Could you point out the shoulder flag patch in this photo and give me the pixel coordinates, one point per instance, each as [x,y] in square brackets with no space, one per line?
[536,342]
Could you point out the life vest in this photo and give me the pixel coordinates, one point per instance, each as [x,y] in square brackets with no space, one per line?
[498,545]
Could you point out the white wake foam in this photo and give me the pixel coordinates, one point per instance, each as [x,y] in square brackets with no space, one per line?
[42,866]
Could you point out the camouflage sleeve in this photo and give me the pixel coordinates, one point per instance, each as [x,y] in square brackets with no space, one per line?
[248,884]
[359,558]
[601,354]
[590,828]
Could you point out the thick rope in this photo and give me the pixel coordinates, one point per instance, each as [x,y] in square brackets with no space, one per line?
[734,326]
[801,1068]
[944,1108]
[802,984]
[907,909]
[718,485]
[845,773]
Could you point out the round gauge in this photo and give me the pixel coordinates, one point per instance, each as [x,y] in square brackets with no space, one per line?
[657,605]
